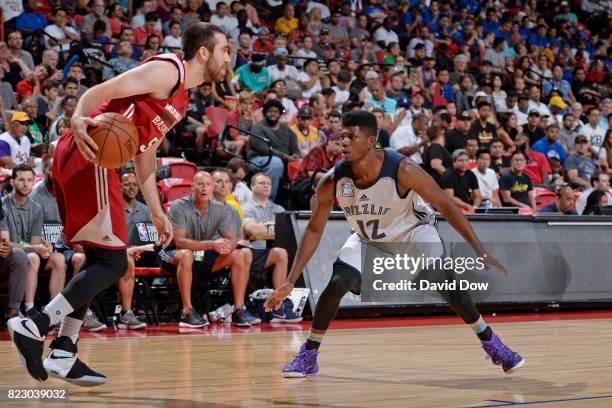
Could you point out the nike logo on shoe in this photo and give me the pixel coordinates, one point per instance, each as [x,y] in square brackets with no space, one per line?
[54,357]
[25,326]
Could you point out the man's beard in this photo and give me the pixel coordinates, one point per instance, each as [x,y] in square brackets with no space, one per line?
[271,122]
[213,72]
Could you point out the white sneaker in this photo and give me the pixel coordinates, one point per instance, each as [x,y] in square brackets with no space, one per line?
[63,362]
[30,344]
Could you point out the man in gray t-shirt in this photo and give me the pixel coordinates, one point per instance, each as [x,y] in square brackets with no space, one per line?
[24,219]
[269,264]
[195,220]
[15,262]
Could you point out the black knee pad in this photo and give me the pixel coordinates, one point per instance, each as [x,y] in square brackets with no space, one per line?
[345,278]
[115,262]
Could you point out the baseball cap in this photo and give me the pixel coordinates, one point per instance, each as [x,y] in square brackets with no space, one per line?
[523,96]
[459,152]
[581,139]
[281,51]
[258,59]
[463,116]
[20,117]
[479,94]
[327,46]
[371,75]
[403,102]
[305,112]
[558,102]
[397,70]
[534,113]
[324,31]
[263,30]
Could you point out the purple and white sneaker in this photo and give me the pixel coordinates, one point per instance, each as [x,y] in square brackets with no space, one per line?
[304,363]
[502,354]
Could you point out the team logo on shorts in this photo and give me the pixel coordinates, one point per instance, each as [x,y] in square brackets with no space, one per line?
[348,190]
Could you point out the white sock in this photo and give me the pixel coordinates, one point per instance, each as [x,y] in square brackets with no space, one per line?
[57,309]
[28,306]
[70,327]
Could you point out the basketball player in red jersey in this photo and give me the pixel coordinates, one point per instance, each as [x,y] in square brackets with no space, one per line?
[154,97]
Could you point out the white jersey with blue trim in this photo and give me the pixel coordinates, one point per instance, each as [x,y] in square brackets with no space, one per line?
[377,212]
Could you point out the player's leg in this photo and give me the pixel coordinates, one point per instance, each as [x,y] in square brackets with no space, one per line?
[96,216]
[344,278]
[461,302]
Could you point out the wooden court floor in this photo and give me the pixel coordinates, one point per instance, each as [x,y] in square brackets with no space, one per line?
[569,364]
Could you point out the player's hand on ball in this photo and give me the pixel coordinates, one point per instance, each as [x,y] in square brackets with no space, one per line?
[275,300]
[84,142]
[164,229]
[490,261]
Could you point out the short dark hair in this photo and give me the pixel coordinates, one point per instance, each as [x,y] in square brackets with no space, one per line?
[49,84]
[365,120]
[71,80]
[483,103]
[261,173]
[151,16]
[199,35]
[66,99]
[334,114]
[20,168]
[481,151]
[236,164]
[595,177]
[517,152]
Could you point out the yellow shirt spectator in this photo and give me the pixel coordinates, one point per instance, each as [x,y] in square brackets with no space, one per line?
[285,26]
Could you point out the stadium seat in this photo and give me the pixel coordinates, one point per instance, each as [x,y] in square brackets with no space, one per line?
[293,169]
[184,170]
[174,188]
[142,291]
[217,117]
[544,198]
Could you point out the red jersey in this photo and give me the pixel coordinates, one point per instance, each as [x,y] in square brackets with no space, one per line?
[153,117]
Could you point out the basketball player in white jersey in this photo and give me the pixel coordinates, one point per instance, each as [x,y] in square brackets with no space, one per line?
[397,192]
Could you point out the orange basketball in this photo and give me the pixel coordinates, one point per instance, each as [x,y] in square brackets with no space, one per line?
[117,140]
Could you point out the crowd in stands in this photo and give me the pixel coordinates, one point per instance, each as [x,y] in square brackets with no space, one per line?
[504,103]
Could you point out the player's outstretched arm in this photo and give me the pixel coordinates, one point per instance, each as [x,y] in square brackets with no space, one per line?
[155,77]
[411,175]
[323,203]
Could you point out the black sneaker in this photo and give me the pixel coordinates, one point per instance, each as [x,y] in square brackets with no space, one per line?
[63,362]
[241,318]
[193,319]
[30,342]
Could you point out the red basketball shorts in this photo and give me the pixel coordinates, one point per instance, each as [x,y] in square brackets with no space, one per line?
[88,198]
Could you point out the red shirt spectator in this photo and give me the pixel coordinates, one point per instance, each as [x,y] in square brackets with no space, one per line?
[141,35]
[536,167]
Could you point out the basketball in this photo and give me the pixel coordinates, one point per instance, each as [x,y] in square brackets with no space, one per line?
[117,140]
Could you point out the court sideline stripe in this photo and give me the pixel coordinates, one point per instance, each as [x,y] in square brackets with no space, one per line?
[509,403]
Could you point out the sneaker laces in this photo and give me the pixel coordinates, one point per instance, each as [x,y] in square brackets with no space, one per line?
[301,360]
[498,352]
